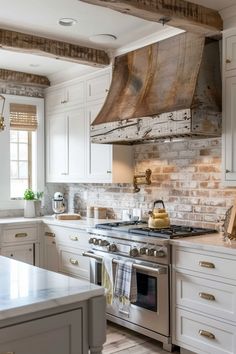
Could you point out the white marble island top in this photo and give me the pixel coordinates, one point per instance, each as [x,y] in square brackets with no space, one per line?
[25,289]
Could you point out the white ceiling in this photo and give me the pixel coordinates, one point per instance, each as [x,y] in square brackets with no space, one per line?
[40,17]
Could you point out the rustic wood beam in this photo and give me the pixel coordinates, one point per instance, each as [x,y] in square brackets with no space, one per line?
[177,13]
[26,43]
[21,78]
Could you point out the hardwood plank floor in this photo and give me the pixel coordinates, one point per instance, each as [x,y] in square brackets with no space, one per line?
[124,341]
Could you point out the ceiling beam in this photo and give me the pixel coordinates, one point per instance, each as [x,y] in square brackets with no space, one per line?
[177,13]
[21,78]
[26,43]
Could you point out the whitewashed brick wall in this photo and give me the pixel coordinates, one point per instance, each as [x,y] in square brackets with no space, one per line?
[186,175]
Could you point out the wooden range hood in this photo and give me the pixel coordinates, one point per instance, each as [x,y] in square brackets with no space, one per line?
[168,89]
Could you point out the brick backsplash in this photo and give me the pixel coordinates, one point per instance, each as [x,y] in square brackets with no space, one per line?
[185,174]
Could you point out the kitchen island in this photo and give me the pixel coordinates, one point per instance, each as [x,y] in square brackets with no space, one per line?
[49,313]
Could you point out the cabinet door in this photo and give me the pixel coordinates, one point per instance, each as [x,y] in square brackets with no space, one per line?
[99,155]
[229,134]
[75,94]
[23,253]
[230,53]
[72,262]
[58,334]
[57,148]
[55,99]
[98,87]
[77,143]
[51,258]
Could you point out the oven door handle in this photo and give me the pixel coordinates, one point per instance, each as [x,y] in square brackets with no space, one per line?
[158,270]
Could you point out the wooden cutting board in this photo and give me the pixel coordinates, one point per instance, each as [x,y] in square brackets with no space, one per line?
[68,217]
[231,227]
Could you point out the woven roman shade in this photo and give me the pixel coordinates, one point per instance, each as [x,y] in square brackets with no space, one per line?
[23,117]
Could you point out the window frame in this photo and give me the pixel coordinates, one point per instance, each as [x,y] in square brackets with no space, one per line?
[5,202]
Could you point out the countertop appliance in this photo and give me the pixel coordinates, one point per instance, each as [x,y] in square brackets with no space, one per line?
[149,250]
[58,203]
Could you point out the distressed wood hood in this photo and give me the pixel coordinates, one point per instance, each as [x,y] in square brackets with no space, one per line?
[167,89]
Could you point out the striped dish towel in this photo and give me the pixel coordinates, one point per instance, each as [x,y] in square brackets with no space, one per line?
[107,278]
[125,288]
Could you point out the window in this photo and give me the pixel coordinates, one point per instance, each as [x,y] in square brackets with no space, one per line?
[21,150]
[23,123]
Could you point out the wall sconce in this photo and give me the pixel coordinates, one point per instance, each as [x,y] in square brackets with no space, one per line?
[2,124]
[143,178]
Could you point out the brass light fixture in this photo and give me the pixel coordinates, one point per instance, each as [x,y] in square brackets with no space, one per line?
[2,124]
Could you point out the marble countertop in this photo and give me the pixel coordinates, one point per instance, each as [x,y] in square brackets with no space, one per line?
[25,289]
[210,242]
[84,223]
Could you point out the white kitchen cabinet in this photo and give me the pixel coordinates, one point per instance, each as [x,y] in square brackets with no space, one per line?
[97,87]
[230,52]
[106,162]
[20,243]
[23,253]
[229,109]
[203,300]
[63,248]
[71,158]
[51,261]
[66,146]
[64,97]
[57,334]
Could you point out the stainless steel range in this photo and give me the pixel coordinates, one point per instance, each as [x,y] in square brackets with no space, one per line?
[149,251]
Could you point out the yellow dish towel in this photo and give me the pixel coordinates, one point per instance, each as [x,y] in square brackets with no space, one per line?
[107,278]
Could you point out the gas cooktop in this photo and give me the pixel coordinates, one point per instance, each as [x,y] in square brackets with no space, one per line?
[141,228]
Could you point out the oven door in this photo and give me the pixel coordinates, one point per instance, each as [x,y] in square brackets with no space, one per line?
[151,310]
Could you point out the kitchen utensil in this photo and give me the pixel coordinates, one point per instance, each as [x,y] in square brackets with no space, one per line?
[158,217]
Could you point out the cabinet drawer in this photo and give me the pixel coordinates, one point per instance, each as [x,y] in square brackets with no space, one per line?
[215,337]
[213,265]
[68,236]
[207,296]
[74,263]
[20,235]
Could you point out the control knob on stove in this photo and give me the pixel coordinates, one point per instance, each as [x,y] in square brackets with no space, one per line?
[95,241]
[112,247]
[103,243]
[159,253]
[150,251]
[143,250]
[91,240]
[134,252]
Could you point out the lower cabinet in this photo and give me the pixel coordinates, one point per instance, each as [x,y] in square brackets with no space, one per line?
[57,334]
[23,253]
[63,248]
[204,301]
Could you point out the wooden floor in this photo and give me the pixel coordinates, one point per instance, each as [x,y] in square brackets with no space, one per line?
[123,341]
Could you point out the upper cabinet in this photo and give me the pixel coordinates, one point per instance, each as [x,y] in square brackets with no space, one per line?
[70,155]
[229,108]
[98,87]
[64,97]
[230,52]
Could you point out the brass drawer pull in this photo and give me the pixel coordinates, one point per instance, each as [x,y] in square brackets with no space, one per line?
[8,353]
[206,334]
[207,296]
[206,264]
[74,238]
[21,234]
[74,261]
[50,234]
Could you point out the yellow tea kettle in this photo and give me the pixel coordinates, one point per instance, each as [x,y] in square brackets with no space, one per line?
[158,217]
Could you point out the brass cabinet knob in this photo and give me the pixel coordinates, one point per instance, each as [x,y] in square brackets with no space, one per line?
[74,238]
[74,261]
[228,61]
